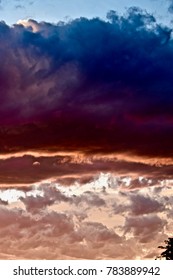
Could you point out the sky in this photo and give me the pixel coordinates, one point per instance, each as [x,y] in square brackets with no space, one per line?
[86,129]
[60,10]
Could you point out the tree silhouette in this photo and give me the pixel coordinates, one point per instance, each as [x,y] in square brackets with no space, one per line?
[168,253]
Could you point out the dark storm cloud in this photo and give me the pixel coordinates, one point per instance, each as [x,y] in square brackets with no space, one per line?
[90,85]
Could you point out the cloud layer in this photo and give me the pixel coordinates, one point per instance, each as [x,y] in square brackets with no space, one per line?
[87,222]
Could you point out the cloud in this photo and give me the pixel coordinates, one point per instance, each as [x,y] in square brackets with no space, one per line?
[170,9]
[49,196]
[70,169]
[139,202]
[56,231]
[90,199]
[68,90]
[45,195]
[144,205]
[97,232]
[144,227]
